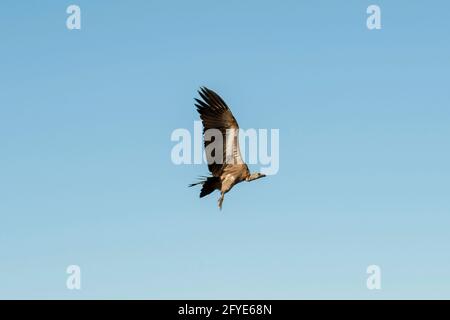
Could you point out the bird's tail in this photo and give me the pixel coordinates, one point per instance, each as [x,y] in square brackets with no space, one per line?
[209,185]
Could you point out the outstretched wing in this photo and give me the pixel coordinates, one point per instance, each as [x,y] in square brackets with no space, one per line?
[215,114]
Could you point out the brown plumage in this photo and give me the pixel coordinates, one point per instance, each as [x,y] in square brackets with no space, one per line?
[227,168]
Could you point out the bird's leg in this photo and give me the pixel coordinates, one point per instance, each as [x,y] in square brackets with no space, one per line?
[221,200]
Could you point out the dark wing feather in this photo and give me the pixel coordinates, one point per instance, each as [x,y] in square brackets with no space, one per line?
[215,114]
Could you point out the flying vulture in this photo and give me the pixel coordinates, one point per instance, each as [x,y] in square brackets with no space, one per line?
[228,168]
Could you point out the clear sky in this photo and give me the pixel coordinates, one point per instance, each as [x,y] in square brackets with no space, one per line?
[86,176]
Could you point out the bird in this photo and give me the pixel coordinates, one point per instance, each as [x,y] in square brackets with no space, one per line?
[228,168]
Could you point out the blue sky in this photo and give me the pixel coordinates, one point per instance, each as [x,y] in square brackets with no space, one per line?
[87,179]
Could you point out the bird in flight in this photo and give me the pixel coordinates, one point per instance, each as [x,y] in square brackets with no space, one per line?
[224,161]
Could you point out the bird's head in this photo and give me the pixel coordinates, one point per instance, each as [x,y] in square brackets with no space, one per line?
[255,176]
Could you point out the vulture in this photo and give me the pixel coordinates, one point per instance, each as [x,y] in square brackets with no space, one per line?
[227,167]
